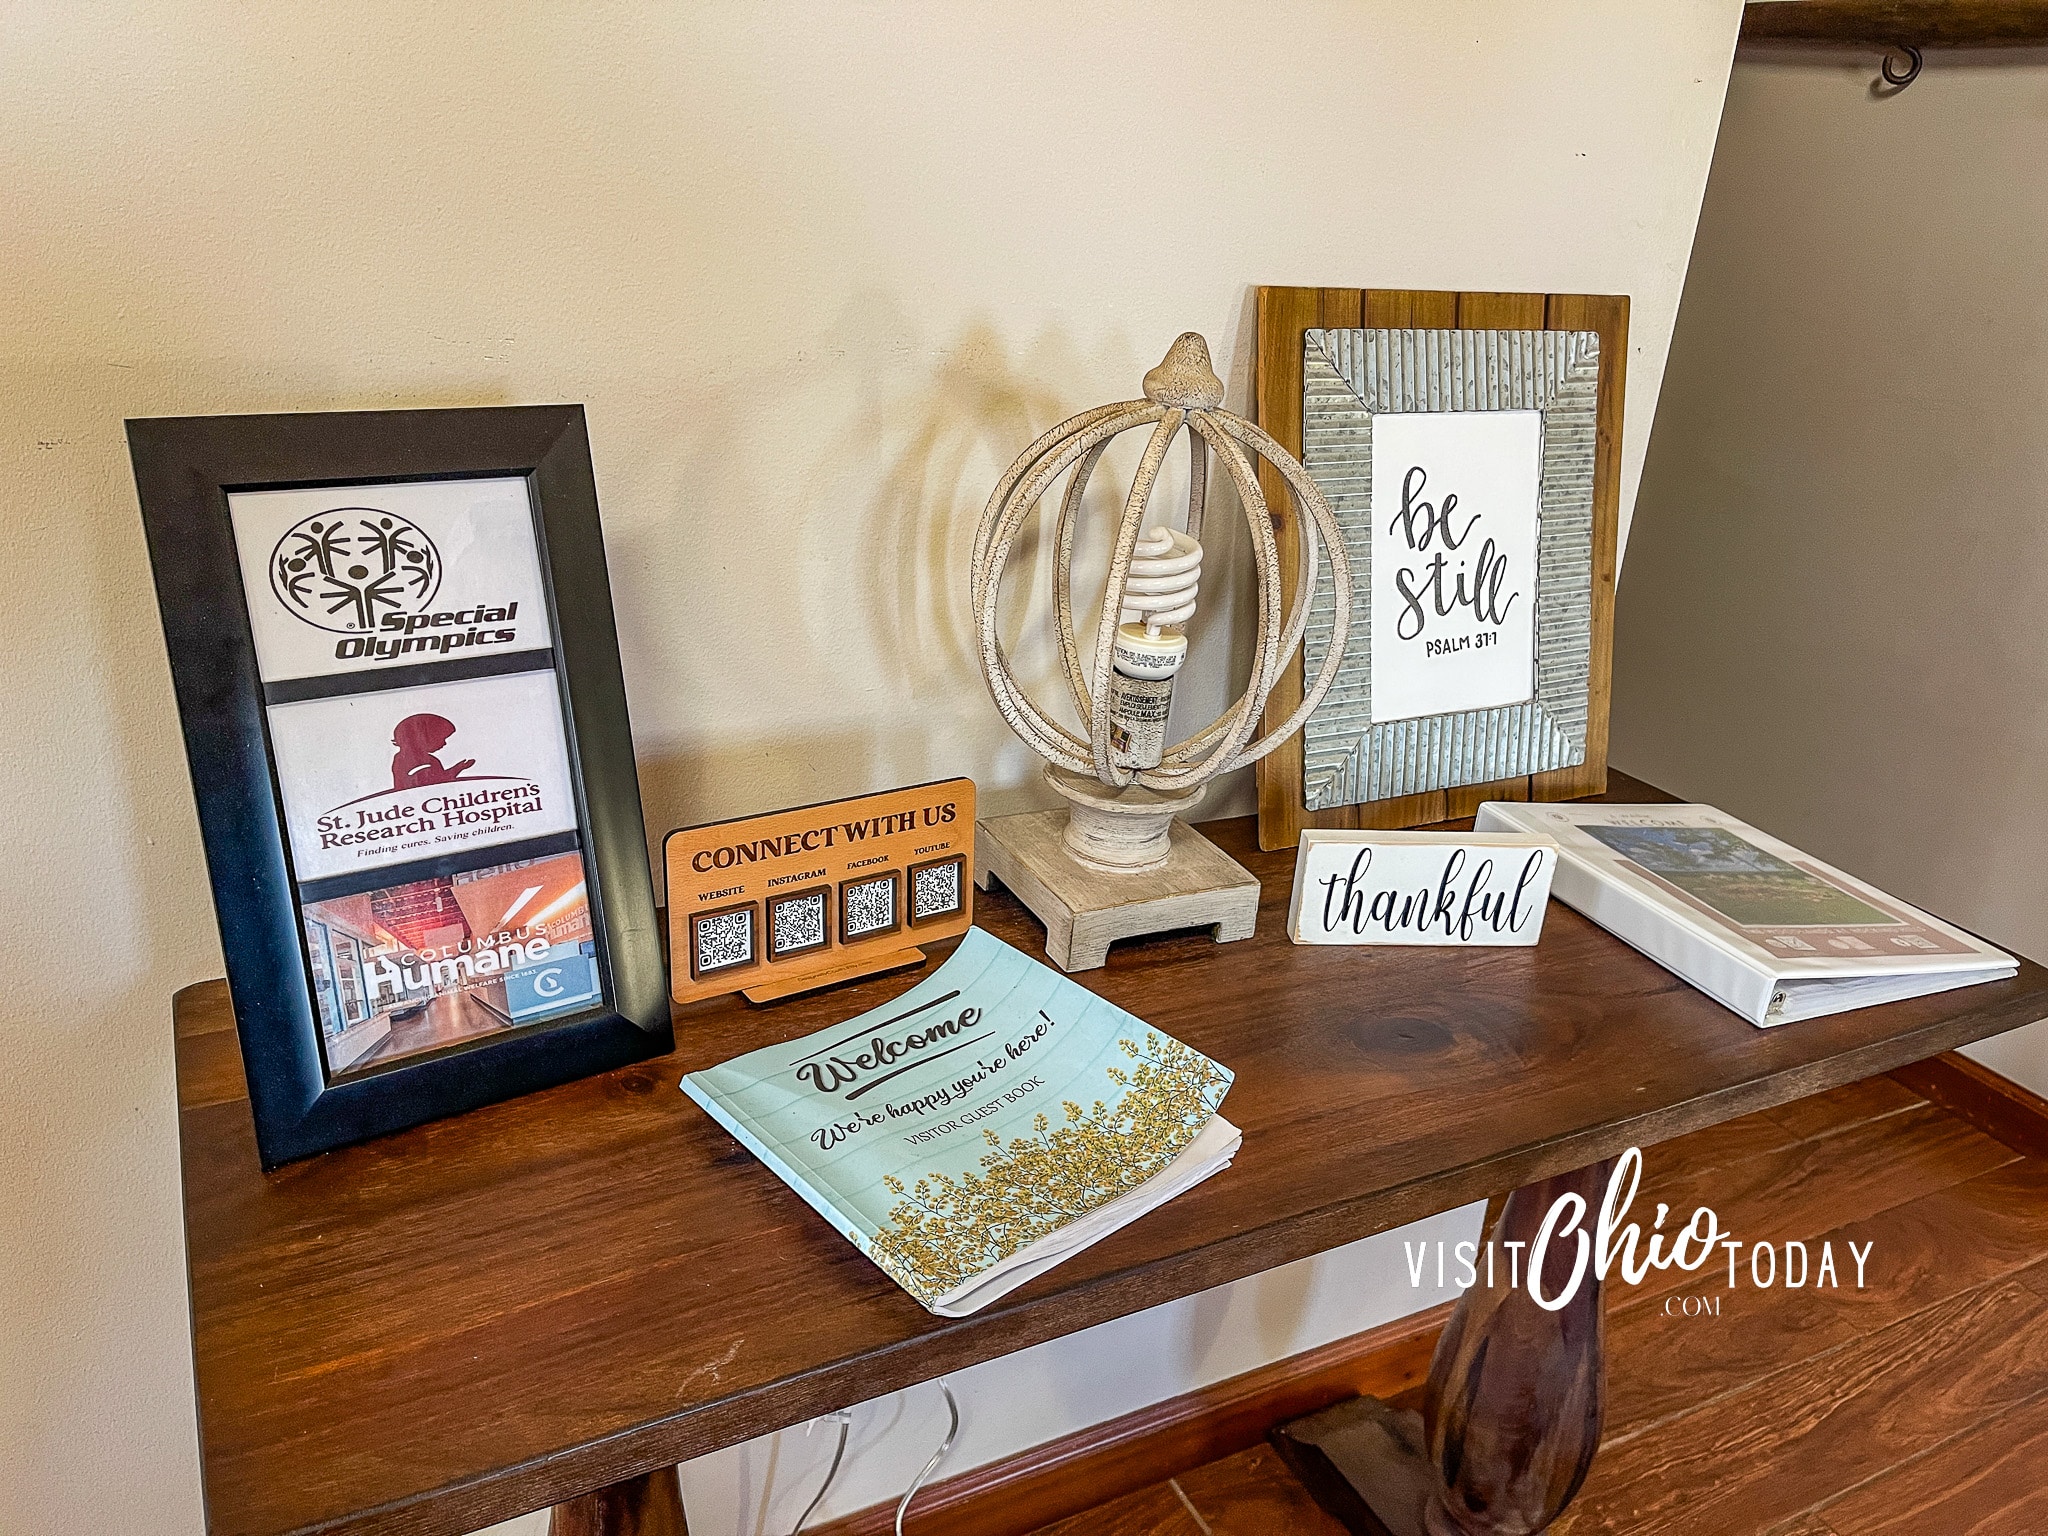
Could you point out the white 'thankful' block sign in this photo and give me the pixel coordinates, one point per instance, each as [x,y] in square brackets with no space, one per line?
[1459,888]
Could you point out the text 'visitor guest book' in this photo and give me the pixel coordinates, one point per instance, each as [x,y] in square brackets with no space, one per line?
[1752,922]
[990,1122]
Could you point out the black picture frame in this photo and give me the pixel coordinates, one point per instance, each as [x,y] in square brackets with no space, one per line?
[185,470]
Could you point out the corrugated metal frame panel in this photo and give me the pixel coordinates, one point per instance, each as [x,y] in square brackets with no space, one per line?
[1347,377]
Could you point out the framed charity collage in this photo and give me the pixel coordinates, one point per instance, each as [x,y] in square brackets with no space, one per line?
[392,642]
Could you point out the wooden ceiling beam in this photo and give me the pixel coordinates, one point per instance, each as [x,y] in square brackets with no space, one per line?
[1888,23]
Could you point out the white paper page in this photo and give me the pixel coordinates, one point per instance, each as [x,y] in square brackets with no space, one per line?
[1456,502]
[483,761]
[353,578]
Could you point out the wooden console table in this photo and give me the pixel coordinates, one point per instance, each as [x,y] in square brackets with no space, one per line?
[552,1301]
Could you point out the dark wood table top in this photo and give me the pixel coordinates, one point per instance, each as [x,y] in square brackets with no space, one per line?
[489,1314]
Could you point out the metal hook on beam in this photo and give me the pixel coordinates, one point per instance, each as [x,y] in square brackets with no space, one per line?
[1899,79]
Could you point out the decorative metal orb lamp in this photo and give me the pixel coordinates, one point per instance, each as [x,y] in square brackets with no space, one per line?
[1118,861]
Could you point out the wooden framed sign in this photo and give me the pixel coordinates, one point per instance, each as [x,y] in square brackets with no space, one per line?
[1469,445]
[791,900]
[391,639]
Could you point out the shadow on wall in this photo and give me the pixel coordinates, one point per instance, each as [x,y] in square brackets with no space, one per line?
[977,408]
[777,768]
[957,432]
[1829,621]
[827,575]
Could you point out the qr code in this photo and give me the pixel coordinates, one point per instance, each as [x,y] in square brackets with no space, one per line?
[723,939]
[796,924]
[868,906]
[934,890]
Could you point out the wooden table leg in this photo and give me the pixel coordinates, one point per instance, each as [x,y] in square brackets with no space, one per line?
[640,1506]
[1511,1415]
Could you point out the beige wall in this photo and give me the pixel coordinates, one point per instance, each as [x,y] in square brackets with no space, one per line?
[1831,622]
[817,271]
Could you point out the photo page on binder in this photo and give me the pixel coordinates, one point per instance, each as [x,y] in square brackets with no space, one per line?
[1760,927]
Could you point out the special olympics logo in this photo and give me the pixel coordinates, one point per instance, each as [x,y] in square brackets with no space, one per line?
[345,569]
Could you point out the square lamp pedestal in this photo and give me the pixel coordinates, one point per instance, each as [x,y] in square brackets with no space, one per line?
[1085,907]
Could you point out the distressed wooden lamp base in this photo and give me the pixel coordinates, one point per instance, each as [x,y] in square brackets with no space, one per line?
[1511,1416]
[1115,865]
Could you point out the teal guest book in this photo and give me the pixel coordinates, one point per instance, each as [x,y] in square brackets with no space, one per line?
[990,1122]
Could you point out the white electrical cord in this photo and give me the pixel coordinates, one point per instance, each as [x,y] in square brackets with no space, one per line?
[844,1419]
[945,1445]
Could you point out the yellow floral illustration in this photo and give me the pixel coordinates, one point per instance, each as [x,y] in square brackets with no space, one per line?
[946,1230]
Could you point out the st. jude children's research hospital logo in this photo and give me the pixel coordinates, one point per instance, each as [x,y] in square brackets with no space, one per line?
[372,575]
[416,808]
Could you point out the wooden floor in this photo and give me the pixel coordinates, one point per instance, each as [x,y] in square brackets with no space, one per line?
[1918,1404]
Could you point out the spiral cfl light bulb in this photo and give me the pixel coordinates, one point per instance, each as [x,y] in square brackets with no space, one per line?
[1166,574]
[1151,643]
[1138,634]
